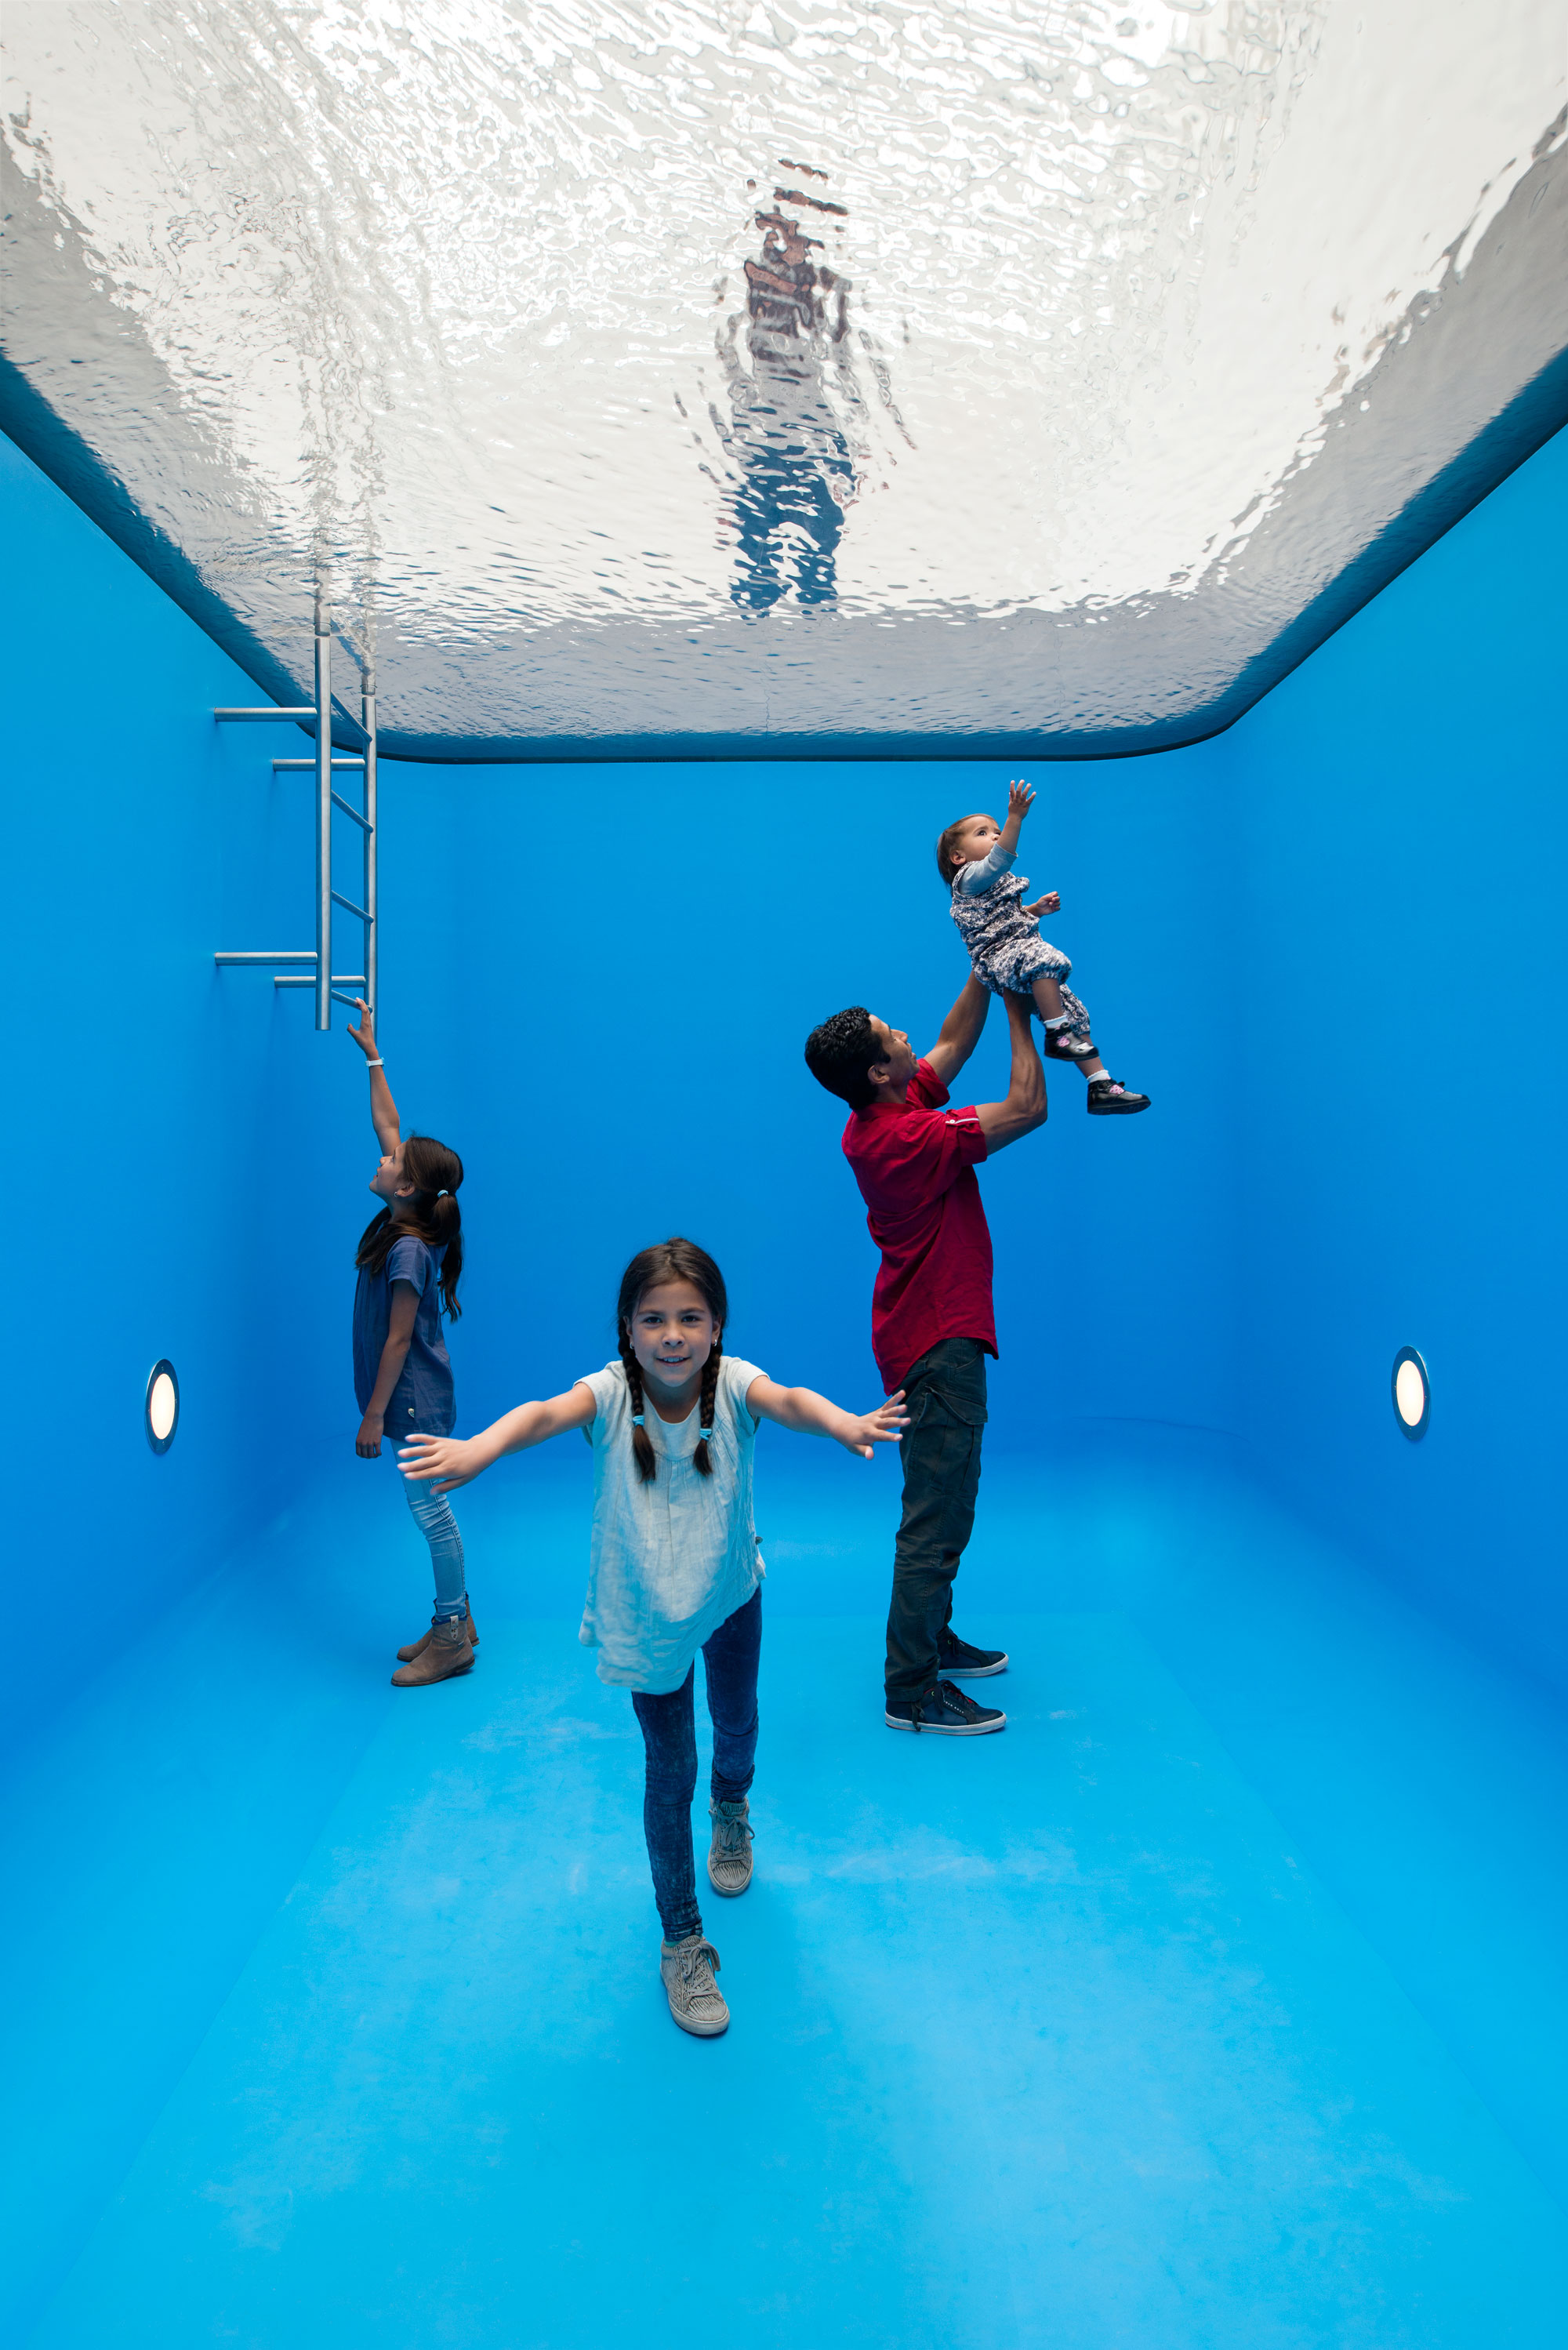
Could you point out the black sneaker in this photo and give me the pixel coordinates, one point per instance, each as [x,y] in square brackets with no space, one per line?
[1062,1044]
[945,1709]
[1109,1099]
[957,1661]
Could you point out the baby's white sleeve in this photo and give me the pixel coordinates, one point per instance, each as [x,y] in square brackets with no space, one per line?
[984,870]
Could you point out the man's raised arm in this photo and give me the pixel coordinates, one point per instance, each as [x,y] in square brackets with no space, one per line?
[960,1031]
[1007,1121]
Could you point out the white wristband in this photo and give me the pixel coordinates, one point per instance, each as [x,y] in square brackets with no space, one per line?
[375,1065]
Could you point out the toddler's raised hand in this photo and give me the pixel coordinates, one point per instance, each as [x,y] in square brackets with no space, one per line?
[886,1425]
[1051,903]
[1020,800]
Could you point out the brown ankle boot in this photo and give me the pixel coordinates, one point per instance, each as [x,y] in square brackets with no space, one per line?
[417,1648]
[448,1650]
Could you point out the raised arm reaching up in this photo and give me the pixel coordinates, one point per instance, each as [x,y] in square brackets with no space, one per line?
[960,1031]
[383,1108]
[1025,1109]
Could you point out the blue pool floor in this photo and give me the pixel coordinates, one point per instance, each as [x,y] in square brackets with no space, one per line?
[1216,2003]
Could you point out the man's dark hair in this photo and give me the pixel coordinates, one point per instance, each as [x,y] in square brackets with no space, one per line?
[841,1050]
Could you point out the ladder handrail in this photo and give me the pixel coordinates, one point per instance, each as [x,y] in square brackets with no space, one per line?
[326,766]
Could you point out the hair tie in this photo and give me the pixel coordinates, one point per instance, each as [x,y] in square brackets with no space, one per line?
[636,1419]
[703,1434]
[444,1193]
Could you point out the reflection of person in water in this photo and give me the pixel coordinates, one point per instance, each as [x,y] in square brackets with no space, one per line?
[797,473]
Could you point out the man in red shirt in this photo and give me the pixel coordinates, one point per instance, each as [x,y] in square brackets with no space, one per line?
[932,1324]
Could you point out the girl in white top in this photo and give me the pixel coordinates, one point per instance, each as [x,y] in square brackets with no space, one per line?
[674,1564]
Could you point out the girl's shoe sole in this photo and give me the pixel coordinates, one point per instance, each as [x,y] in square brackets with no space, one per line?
[701,2031]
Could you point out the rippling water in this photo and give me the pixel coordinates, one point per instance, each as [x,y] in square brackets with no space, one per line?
[833,371]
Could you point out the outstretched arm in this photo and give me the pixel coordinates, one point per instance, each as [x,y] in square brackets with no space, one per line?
[453,1460]
[809,1414]
[383,1108]
[1008,1121]
[960,1031]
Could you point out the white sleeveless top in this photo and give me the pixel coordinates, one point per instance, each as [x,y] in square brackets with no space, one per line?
[668,1560]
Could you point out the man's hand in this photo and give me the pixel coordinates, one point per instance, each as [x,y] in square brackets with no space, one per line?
[886,1425]
[368,1443]
[445,1462]
[1051,903]
[1020,800]
[365,1034]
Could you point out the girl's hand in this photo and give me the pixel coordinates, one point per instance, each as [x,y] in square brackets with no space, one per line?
[1020,800]
[1051,903]
[886,1425]
[368,1443]
[365,1034]
[445,1462]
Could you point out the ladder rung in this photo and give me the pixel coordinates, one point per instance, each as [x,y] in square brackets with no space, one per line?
[339,978]
[350,907]
[290,954]
[307,766]
[363,822]
[255,717]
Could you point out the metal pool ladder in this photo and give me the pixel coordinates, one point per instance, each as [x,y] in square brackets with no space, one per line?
[327,767]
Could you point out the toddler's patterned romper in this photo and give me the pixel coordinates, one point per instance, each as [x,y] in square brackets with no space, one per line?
[1004,946]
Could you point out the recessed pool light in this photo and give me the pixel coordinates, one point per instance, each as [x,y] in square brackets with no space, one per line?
[162,1407]
[1412,1392]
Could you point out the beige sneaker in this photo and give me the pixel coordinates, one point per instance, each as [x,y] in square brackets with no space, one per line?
[695,1999]
[730,1853]
[417,1648]
[448,1650]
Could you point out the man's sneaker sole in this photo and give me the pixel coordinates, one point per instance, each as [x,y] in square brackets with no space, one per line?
[947,1729]
[972,1672]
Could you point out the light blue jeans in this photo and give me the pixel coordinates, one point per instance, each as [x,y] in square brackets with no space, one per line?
[431,1513]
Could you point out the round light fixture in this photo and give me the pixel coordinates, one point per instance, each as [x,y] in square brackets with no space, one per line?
[162,1406]
[1412,1393]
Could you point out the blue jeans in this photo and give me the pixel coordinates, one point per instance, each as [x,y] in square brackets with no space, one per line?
[431,1513]
[669,1734]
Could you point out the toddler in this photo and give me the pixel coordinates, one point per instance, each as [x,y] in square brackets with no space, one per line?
[1003,935]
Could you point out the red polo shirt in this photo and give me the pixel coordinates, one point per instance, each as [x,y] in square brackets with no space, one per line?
[915,1164]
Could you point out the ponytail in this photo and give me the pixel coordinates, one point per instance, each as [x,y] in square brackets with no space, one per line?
[433,1216]
[673,1260]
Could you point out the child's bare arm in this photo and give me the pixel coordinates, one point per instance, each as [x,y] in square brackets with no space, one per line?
[1020,800]
[810,1414]
[383,1108]
[453,1460]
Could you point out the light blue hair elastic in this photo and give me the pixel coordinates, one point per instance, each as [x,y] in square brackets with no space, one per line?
[703,1434]
[636,1419]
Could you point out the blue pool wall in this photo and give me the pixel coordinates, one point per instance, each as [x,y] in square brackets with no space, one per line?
[1326,942]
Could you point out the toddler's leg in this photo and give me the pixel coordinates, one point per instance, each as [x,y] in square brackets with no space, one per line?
[1047,998]
[669,1735]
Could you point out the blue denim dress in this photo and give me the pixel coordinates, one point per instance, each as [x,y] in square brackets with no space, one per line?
[422,1403]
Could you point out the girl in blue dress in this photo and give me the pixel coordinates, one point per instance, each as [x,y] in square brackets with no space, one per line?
[409,1258]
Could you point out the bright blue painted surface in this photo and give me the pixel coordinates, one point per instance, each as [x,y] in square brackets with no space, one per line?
[1299,1638]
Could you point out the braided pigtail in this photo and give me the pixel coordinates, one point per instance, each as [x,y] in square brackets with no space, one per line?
[641,1442]
[699,1459]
